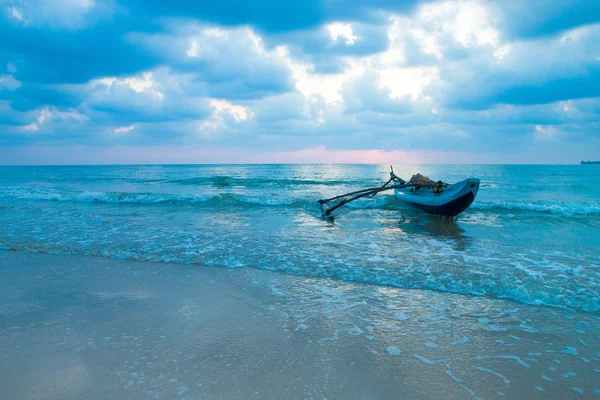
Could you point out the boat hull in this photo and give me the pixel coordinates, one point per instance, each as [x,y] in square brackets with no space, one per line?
[453,200]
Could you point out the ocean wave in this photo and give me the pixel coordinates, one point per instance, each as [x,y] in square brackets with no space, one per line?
[215,180]
[563,208]
[143,198]
[379,202]
[384,202]
[226,181]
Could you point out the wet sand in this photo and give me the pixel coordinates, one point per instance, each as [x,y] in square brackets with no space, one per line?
[74,327]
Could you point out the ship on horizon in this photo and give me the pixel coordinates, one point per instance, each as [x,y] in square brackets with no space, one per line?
[589,162]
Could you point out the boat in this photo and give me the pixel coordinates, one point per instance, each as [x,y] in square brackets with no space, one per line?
[433,197]
[589,162]
[449,201]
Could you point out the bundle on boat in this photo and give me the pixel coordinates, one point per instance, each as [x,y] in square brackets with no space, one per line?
[418,179]
[421,191]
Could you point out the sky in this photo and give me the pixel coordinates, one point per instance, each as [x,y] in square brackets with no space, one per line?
[310,81]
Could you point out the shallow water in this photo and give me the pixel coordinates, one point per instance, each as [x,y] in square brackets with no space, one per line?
[74,327]
[532,235]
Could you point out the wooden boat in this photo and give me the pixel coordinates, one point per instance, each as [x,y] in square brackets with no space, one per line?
[433,197]
[448,200]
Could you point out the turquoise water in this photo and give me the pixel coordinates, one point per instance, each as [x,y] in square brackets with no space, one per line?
[532,235]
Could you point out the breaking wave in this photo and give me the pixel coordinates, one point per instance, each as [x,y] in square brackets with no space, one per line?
[227,181]
[142,198]
[562,208]
[377,202]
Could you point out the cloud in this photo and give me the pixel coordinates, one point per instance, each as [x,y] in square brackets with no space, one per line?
[283,107]
[534,71]
[233,63]
[50,56]
[30,96]
[327,47]
[65,14]
[368,93]
[237,112]
[535,18]
[124,129]
[9,82]
[341,31]
[153,96]
[302,79]
[271,16]
[546,132]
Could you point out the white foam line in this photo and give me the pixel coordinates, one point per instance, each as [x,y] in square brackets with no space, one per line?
[490,371]
[459,381]
[572,351]
[448,372]
[451,375]
[393,351]
[465,339]
[428,361]
[507,357]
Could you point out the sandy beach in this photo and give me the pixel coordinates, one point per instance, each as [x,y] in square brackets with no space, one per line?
[74,327]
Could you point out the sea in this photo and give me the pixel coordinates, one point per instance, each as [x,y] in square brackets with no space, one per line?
[532,235]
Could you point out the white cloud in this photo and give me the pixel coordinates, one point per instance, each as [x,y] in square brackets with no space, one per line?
[8,82]
[469,23]
[439,31]
[44,114]
[231,61]
[502,52]
[523,63]
[309,84]
[225,117]
[408,81]
[153,95]
[64,14]
[49,117]
[193,49]
[339,30]
[546,132]
[15,13]
[239,113]
[142,83]
[124,129]
[30,128]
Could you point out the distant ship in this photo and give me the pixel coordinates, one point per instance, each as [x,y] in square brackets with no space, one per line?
[590,162]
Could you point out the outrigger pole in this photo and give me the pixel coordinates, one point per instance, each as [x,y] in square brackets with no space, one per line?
[398,184]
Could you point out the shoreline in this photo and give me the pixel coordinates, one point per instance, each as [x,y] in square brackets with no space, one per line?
[80,326]
[467,294]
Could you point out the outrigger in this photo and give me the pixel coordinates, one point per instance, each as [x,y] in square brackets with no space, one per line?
[437,198]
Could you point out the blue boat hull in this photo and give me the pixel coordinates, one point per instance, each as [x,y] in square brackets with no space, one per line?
[453,200]
[451,209]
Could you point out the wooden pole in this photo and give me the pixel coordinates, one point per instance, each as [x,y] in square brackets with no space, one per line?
[374,189]
[346,201]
